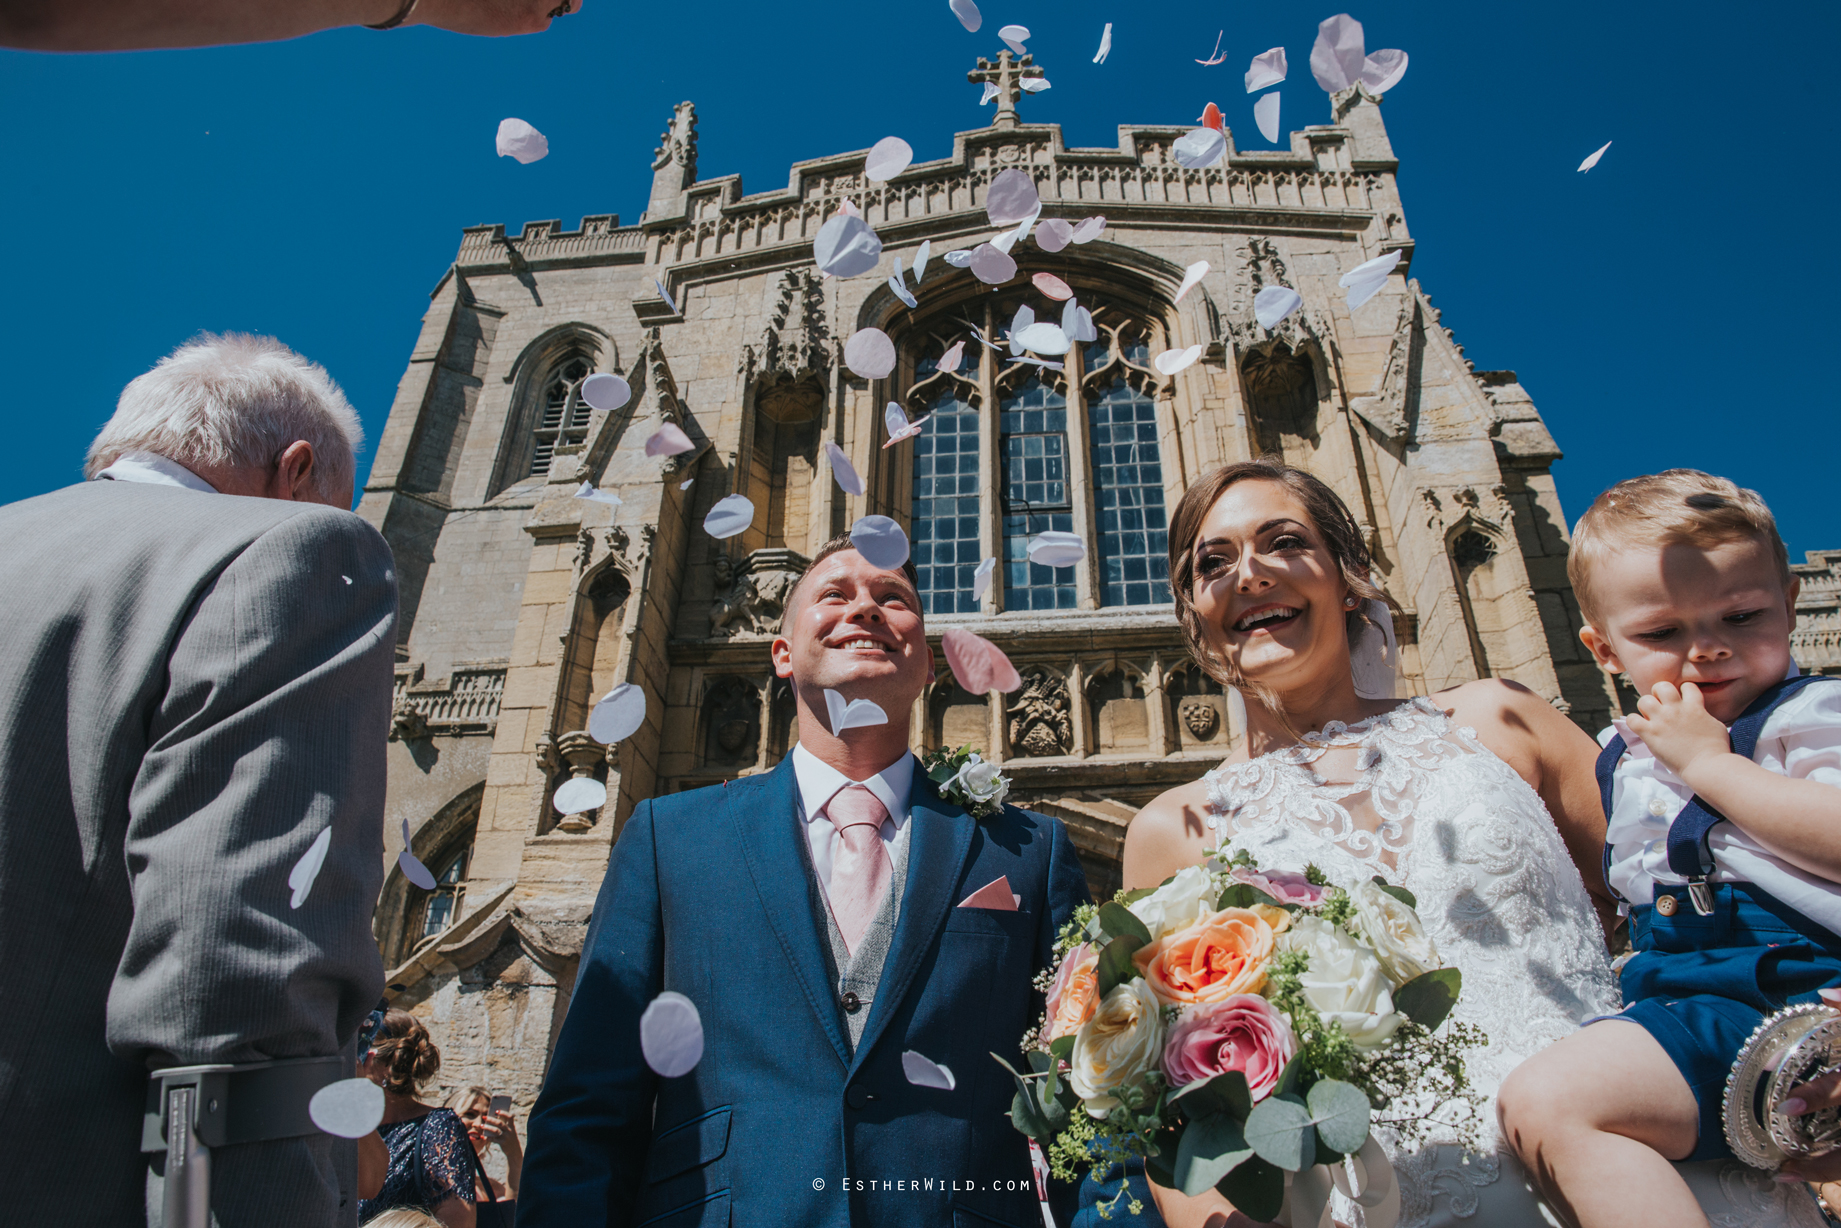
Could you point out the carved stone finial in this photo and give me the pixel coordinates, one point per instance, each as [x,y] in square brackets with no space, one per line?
[674,162]
[406,722]
[1007,73]
[583,755]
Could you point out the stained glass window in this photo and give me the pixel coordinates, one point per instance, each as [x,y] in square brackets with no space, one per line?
[1033,426]
[945,508]
[1128,497]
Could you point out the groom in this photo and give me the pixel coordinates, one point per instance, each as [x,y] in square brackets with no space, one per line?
[818,917]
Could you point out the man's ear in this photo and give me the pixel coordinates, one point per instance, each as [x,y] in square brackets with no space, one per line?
[293,479]
[781,652]
[1600,648]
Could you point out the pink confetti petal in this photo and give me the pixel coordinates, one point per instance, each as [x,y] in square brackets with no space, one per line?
[881,542]
[1215,56]
[732,514]
[979,665]
[671,1035]
[869,353]
[991,266]
[1011,198]
[1054,234]
[1089,230]
[618,715]
[605,392]
[668,440]
[1053,286]
[950,360]
[1192,277]
[411,865]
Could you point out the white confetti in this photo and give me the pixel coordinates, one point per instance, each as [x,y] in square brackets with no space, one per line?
[1077,322]
[991,266]
[347,579]
[1383,70]
[732,514]
[1592,161]
[1014,37]
[350,1108]
[1105,45]
[1089,230]
[579,794]
[301,877]
[1040,362]
[685,484]
[671,1035]
[920,260]
[1033,85]
[887,158]
[587,491]
[1011,198]
[843,471]
[1274,303]
[848,209]
[899,427]
[618,715]
[900,291]
[869,353]
[1267,68]
[668,440]
[1198,148]
[1055,548]
[666,295]
[857,714]
[981,579]
[1265,114]
[1024,317]
[1192,277]
[967,13]
[1044,339]
[958,259]
[923,1072]
[605,392]
[990,92]
[1365,280]
[1054,234]
[846,247]
[412,866]
[1171,361]
[519,140]
[880,541]
[1336,57]
[954,355]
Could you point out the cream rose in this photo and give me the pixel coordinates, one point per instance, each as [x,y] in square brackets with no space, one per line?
[1178,903]
[1118,1046]
[1395,932]
[1344,981]
[982,782]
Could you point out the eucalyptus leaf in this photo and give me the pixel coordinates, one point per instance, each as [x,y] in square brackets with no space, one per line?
[1223,1093]
[1256,1189]
[1210,1148]
[1327,1156]
[943,773]
[1279,1129]
[1161,1167]
[1288,1078]
[1132,897]
[1118,921]
[1007,1066]
[1115,966]
[1399,893]
[1429,997]
[1340,1112]
[1244,895]
[1028,1118]
[1053,1112]
[1062,1047]
[1044,1064]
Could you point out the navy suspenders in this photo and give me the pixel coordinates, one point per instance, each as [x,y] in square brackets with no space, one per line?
[1688,854]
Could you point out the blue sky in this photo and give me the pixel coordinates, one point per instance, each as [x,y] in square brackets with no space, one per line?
[1670,307]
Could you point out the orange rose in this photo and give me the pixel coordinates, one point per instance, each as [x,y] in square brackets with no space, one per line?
[1075,993]
[1219,956]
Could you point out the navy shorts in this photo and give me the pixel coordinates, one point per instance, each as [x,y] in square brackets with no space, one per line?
[1702,985]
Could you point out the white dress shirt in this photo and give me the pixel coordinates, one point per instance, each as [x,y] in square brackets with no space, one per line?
[1801,740]
[819,782]
[154,470]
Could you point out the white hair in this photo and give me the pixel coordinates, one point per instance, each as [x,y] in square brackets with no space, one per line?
[234,399]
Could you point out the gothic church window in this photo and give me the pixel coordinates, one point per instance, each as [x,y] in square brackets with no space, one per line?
[442,904]
[945,505]
[564,419]
[1035,494]
[1134,539]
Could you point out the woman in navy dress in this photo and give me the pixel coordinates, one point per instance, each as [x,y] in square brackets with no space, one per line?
[431,1164]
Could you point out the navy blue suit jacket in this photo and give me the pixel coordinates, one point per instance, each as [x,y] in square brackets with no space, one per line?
[708,894]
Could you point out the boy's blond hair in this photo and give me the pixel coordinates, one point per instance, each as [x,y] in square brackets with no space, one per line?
[1673,507]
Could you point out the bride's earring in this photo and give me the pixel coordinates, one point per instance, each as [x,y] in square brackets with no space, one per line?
[1350,602]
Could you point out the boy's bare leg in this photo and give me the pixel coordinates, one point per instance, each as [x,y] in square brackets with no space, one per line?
[1596,1120]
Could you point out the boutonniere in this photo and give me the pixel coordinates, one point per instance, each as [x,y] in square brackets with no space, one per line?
[965,779]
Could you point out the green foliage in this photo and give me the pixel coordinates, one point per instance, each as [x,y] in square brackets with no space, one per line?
[1340,1112]
[1280,1130]
[1211,1146]
[1129,898]
[1244,895]
[1323,1045]
[1062,1047]
[1337,908]
[1256,1188]
[1429,997]
[1399,893]
[1222,1093]
[1075,931]
[1315,877]
[1115,966]
[1419,1083]
[1117,921]
[1242,857]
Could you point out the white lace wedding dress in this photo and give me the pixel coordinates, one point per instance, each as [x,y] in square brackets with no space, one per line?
[1422,803]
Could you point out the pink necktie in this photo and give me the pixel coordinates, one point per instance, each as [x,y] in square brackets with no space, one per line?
[860,867]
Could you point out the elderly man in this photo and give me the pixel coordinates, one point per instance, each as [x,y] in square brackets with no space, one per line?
[825,918]
[196,680]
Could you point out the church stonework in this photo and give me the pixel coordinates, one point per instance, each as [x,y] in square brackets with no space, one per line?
[523,604]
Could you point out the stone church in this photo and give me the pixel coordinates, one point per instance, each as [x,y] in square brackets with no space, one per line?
[522,604]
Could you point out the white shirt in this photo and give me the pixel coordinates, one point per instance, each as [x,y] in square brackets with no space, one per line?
[819,782]
[1801,740]
[154,470]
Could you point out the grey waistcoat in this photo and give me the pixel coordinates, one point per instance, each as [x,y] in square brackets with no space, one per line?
[861,973]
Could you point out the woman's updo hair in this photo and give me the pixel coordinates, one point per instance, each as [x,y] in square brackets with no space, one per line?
[406,1051]
[1341,535]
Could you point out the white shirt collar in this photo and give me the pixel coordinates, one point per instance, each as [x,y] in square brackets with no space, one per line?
[819,783]
[154,470]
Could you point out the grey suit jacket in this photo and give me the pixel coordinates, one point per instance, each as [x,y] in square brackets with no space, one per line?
[192,687]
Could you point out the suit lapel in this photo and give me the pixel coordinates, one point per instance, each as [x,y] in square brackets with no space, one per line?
[937,848]
[764,815]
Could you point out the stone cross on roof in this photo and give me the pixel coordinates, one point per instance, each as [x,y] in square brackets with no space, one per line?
[1007,73]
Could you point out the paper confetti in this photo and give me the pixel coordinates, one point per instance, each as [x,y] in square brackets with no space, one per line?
[1105,45]
[924,1073]
[920,259]
[1267,68]
[1053,287]
[1265,114]
[1054,234]
[846,247]
[981,579]
[1024,317]
[587,491]
[869,353]
[896,419]
[856,714]
[1054,548]
[1383,70]
[1011,198]
[900,291]
[668,440]
[1192,277]
[685,484]
[1014,37]
[666,295]
[1044,339]
[1336,57]
[1365,280]
[880,541]
[579,794]
[519,140]
[1592,161]
[1211,117]
[412,866]
[671,1034]
[967,13]
[1077,322]
[958,259]
[991,266]
[1199,147]
[848,209]
[843,471]
[887,158]
[1033,85]
[1039,362]
[1215,56]
[605,392]
[731,515]
[1171,361]
[1274,303]
[349,1108]
[301,877]
[977,663]
[1089,230]
[618,715]
[954,355]
[990,92]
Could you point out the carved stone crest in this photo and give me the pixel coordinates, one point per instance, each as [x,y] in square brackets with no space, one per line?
[1041,721]
[1200,717]
[751,595]
[406,723]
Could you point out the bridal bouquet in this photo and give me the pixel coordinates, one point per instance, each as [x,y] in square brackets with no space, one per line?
[1244,1029]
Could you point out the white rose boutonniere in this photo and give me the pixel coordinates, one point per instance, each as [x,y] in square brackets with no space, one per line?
[965,778]
[1395,932]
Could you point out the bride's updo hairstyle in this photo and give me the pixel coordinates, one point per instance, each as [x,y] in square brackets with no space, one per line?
[1337,529]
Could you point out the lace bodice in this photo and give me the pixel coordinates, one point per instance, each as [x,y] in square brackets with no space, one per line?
[1424,804]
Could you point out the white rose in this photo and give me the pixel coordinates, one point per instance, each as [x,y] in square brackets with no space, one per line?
[1117,1047]
[982,781]
[1395,932]
[1177,903]
[1345,981]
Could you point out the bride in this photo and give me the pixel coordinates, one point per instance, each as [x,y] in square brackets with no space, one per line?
[1480,800]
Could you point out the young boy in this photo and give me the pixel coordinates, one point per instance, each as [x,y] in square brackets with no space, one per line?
[1723,796]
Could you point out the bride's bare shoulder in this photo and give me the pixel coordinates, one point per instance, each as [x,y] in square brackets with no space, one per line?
[1167,834]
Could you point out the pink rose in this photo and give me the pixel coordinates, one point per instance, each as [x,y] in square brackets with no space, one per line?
[1281,885]
[1244,1033]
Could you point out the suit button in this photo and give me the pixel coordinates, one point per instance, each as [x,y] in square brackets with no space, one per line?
[852,1003]
[1666,905]
[856,1097]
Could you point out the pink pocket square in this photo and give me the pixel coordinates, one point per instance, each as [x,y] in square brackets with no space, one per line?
[995,894]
